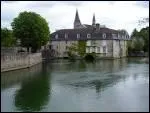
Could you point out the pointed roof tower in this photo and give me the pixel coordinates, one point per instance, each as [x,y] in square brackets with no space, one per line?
[77,23]
[77,20]
[77,17]
[93,21]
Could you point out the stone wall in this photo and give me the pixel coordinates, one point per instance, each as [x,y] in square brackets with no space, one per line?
[11,50]
[119,48]
[60,47]
[19,60]
[114,48]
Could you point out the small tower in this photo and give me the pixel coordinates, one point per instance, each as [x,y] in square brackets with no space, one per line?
[93,21]
[77,23]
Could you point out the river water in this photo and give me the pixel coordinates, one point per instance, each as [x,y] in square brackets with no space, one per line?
[63,85]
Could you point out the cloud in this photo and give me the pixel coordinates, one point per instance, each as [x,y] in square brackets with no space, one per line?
[144,4]
[61,14]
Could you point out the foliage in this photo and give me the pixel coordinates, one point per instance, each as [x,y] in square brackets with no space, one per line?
[81,48]
[144,33]
[140,40]
[72,50]
[31,29]
[90,57]
[7,38]
[143,21]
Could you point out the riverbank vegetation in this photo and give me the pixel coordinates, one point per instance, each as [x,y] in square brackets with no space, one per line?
[7,38]
[139,40]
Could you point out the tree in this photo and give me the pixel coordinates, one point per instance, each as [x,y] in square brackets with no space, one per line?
[144,33]
[7,38]
[79,48]
[140,40]
[143,21]
[134,33]
[31,29]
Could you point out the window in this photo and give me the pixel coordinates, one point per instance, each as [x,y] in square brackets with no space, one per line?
[88,35]
[104,49]
[66,36]
[104,35]
[93,49]
[50,46]
[104,42]
[78,35]
[118,36]
[98,49]
[56,36]
[88,50]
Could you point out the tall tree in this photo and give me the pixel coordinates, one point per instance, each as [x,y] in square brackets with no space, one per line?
[31,29]
[144,33]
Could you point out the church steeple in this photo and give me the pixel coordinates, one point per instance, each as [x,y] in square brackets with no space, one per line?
[77,22]
[93,21]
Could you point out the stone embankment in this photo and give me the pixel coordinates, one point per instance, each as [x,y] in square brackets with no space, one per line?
[20,60]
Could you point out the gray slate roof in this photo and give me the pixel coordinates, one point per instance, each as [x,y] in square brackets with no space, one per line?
[95,35]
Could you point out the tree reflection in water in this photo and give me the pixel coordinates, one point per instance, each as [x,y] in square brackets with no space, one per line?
[34,93]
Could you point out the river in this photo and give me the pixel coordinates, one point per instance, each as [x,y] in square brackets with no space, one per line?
[78,86]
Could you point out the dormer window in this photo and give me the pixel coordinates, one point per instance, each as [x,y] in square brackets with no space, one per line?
[66,36]
[78,35]
[56,36]
[104,35]
[88,35]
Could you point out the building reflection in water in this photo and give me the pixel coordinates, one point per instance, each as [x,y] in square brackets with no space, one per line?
[34,92]
[99,75]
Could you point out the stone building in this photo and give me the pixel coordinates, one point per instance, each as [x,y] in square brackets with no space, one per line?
[103,41]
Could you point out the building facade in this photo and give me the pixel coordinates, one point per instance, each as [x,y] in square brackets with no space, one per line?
[103,41]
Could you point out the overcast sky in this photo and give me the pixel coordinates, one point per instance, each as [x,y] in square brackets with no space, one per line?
[61,14]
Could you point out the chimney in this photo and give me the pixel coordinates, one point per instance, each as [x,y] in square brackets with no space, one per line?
[97,27]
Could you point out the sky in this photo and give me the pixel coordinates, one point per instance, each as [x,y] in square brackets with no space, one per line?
[61,14]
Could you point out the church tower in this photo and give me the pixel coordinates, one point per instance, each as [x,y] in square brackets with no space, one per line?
[77,23]
[93,21]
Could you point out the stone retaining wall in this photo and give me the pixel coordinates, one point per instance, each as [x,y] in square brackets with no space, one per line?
[19,60]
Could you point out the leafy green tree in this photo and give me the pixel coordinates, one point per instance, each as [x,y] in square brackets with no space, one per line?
[135,33]
[144,33]
[31,29]
[7,38]
[140,40]
[81,48]
[72,50]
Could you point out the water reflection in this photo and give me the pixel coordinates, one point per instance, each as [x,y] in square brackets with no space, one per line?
[34,92]
[79,84]
[99,75]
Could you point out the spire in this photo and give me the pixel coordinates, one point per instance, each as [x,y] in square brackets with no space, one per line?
[77,23]
[77,17]
[93,21]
